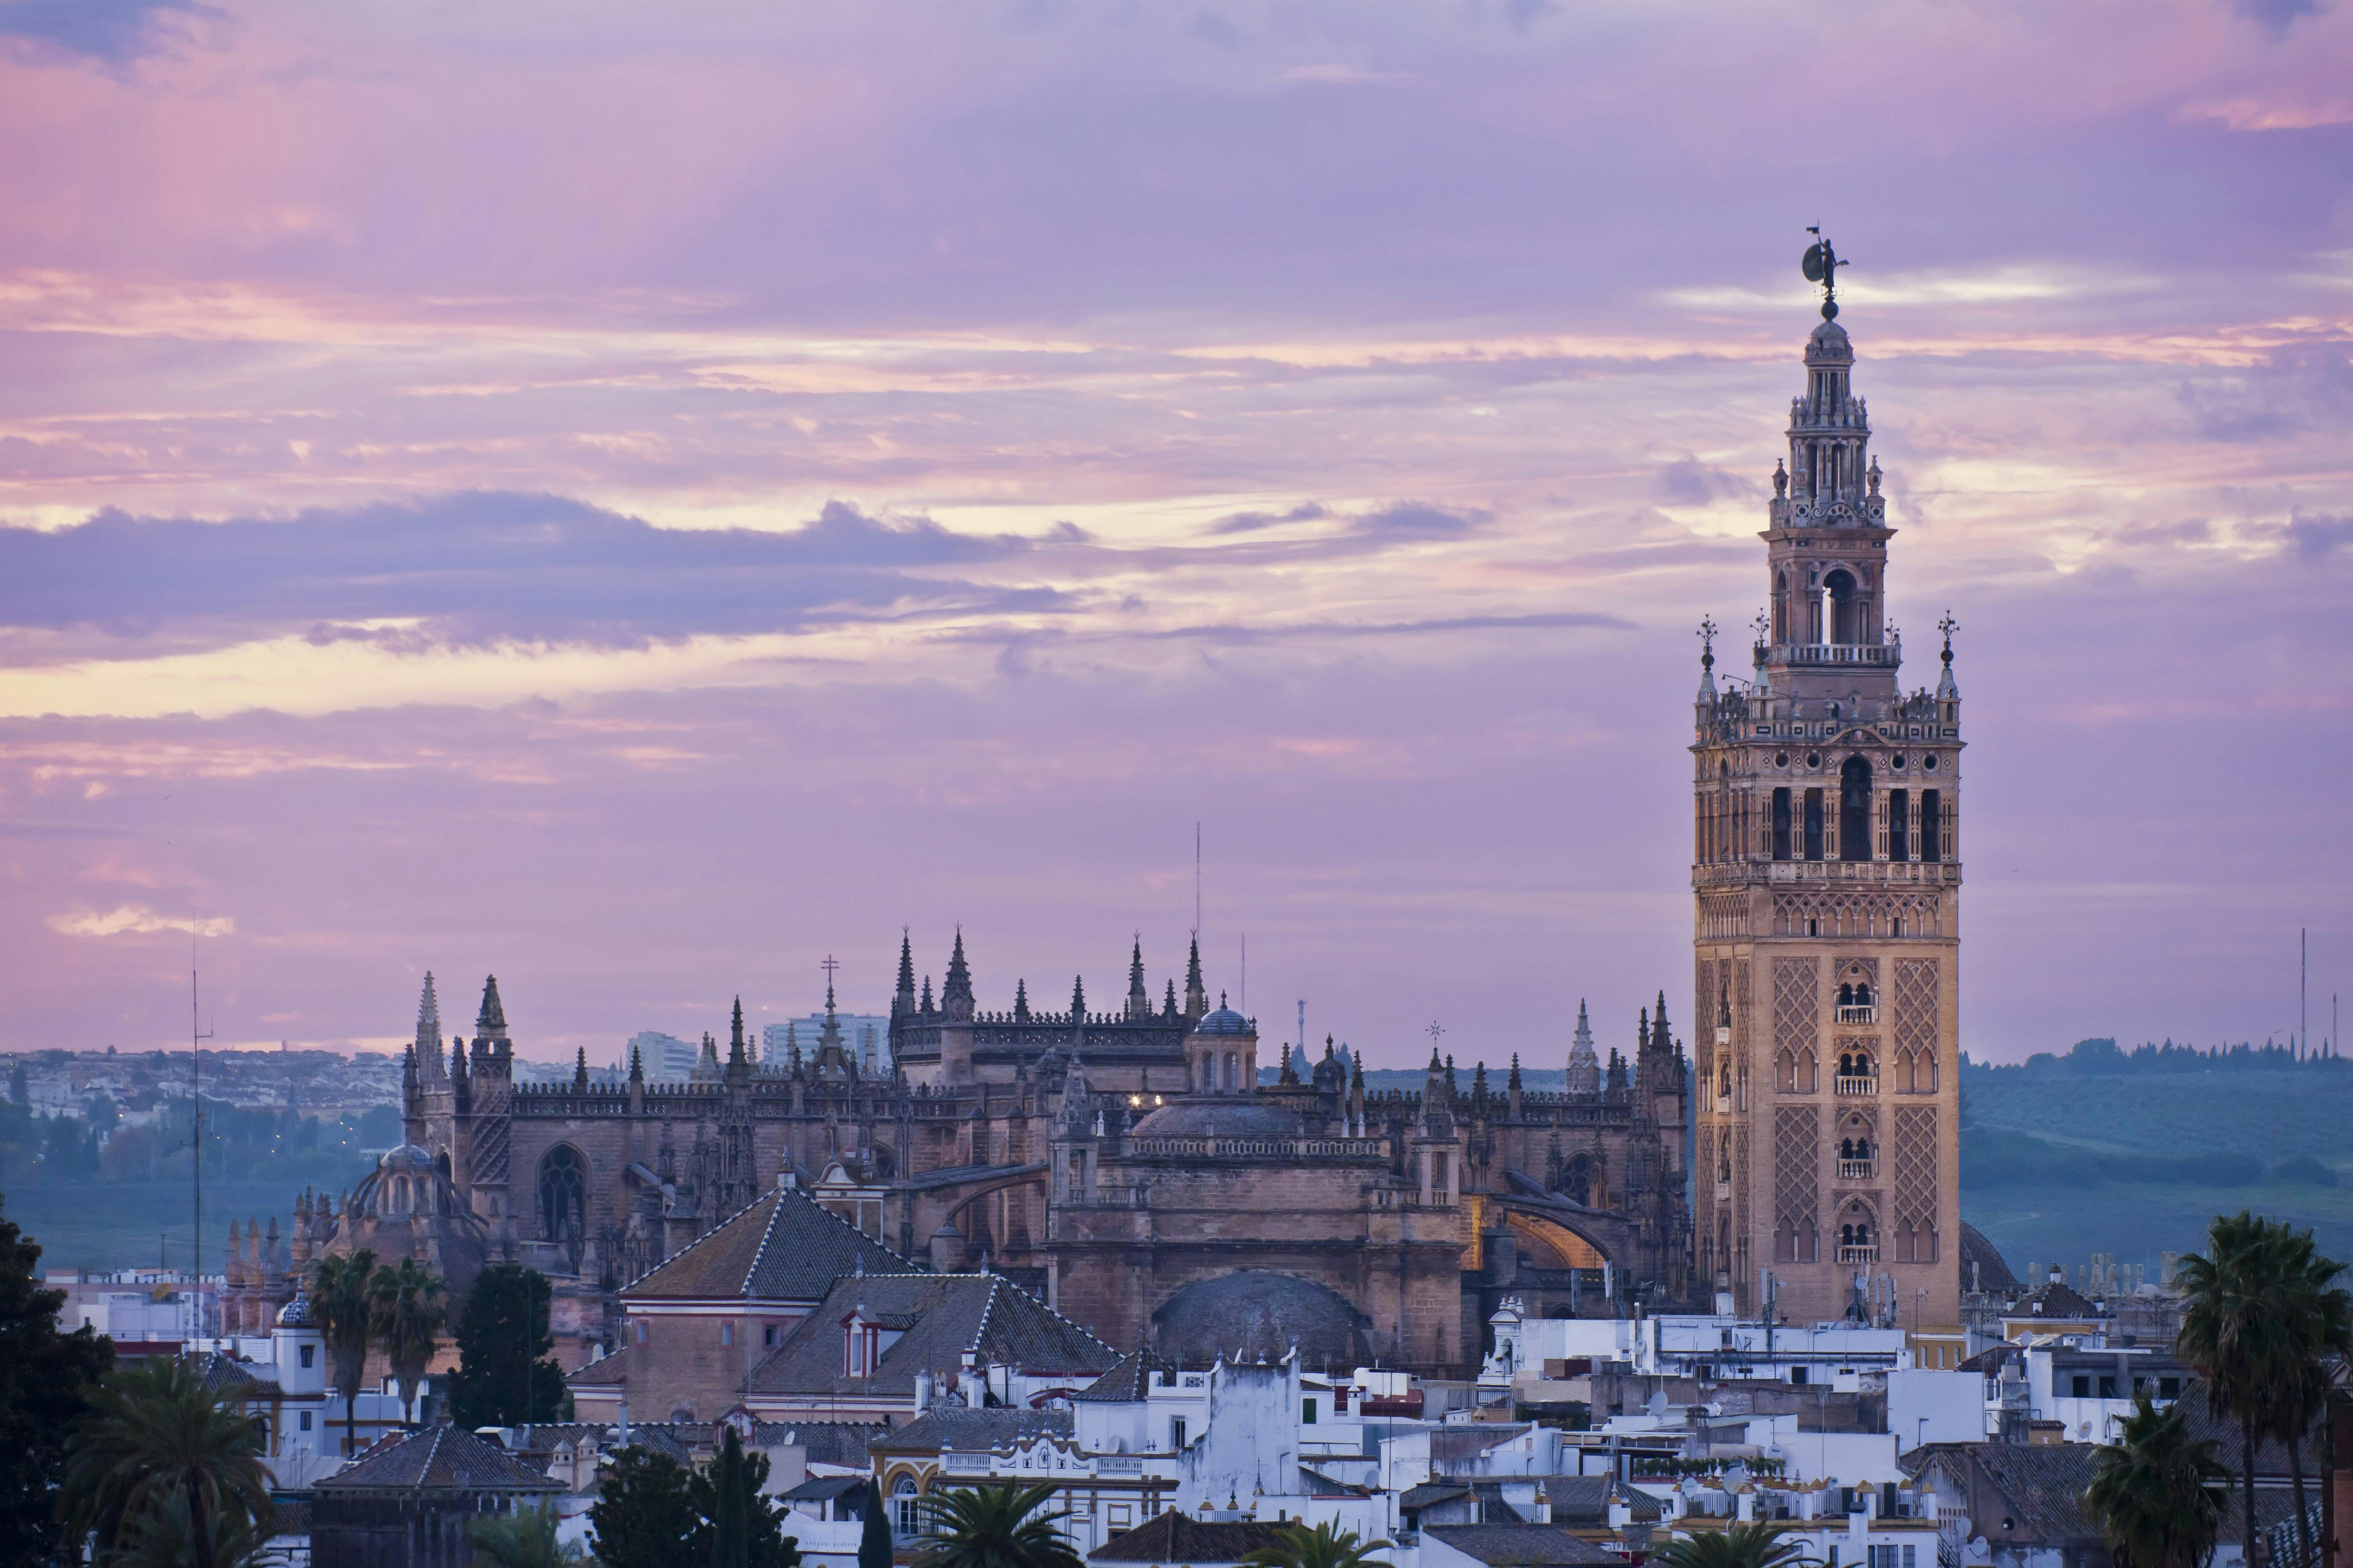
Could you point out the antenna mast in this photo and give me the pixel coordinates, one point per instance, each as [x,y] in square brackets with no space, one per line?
[1197,881]
[197,1036]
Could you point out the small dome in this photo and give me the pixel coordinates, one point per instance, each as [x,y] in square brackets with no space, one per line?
[407,1157]
[1255,1315]
[295,1314]
[1829,343]
[1224,1021]
[1218,1118]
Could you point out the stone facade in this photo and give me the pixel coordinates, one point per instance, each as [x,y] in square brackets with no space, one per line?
[1825,878]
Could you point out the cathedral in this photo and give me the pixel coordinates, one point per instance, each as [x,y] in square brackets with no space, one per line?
[1127,1165]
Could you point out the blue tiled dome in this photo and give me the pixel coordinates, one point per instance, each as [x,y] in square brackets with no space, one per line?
[1224,1021]
[406,1157]
[295,1314]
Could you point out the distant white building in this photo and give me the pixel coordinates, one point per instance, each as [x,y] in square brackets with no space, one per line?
[666,1057]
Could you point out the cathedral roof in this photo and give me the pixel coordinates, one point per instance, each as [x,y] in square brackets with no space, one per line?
[1224,1020]
[784,1248]
[1992,1270]
[1256,1314]
[944,1315]
[1203,1117]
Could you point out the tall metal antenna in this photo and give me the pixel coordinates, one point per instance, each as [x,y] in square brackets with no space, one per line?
[2303,989]
[1245,987]
[1197,881]
[1303,1026]
[197,1036]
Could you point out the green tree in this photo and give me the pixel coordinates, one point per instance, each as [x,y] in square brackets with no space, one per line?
[741,1528]
[407,1315]
[159,1539]
[156,1434]
[2156,1494]
[874,1531]
[342,1307]
[523,1539]
[504,1378]
[1325,1546]
[2235,1333]
[1754,1545]
[45,1379]
[999,1526]
[644,1515]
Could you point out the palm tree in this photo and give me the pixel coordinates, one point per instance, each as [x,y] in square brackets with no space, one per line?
[406,1314]
[995,1527]
[1757,1544]
[2234,1333]
[523,1539]
[341,1307]
[157,1441]
[2159,1495]
[2319,1317]
[1325,1546]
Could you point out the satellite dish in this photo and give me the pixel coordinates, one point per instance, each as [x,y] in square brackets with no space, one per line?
[1816,262]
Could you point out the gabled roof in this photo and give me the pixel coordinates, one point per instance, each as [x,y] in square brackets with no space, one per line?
[225,1375]
[821,1489]
[1128,1380]
[2042,1484]
[784,1248]
[1521,1545]
[947,1427]
[946,1315]
[605,1372]
[1580,1498]
[2054,1299]
[438,1459]
[1173,1537]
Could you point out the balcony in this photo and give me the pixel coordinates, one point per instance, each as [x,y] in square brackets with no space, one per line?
[1846,1085]
[1724,1192]
[1858,1169]
[1858,1014]
[1886,656]
[1858,1255]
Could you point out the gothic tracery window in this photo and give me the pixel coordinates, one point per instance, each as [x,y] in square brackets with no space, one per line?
[562,1193]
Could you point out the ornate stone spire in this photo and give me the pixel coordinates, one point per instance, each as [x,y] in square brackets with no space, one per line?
[429,1066]
[1584,1066]
[1196,995]
[955,991]
[737,1062]
[637,1065]
[903,999]
[1168,1003]
[1139,1000]
[491,1020]
[580,1069]
[1022,1001]
[1078,999]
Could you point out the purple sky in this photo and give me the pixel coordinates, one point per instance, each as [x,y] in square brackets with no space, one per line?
[638,498]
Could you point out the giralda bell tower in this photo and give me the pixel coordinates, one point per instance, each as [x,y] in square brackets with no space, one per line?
[1827,886]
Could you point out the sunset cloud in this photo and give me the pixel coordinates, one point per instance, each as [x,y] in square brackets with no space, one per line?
[138,920]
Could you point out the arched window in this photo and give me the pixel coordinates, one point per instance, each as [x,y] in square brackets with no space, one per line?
[1846,607]
[1805,1078]
[906,1506]
[1855,809]
[1780,606]
[1233,1071]
[1785,1073]
[562,1193]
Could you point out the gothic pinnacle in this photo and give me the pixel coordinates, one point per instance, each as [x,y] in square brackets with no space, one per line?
[492,1019]
[906,964]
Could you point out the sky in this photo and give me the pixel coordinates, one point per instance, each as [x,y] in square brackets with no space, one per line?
[641,499]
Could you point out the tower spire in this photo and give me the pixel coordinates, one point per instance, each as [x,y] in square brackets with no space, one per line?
[1584,1066]
[1139,1000]
[429,1034]
[1196,995]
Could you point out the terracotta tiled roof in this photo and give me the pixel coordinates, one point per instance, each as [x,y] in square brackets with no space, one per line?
[1173,1537]
[958,1426]
[1577,1499]
[947,1315]
[1520,1545]
[784,1248]
[435,1458]
[1127,1382]
[2054,1299]
[605,1372]
[223,1374]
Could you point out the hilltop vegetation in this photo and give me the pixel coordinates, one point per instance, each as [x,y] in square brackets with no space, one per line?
[2131,1153]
